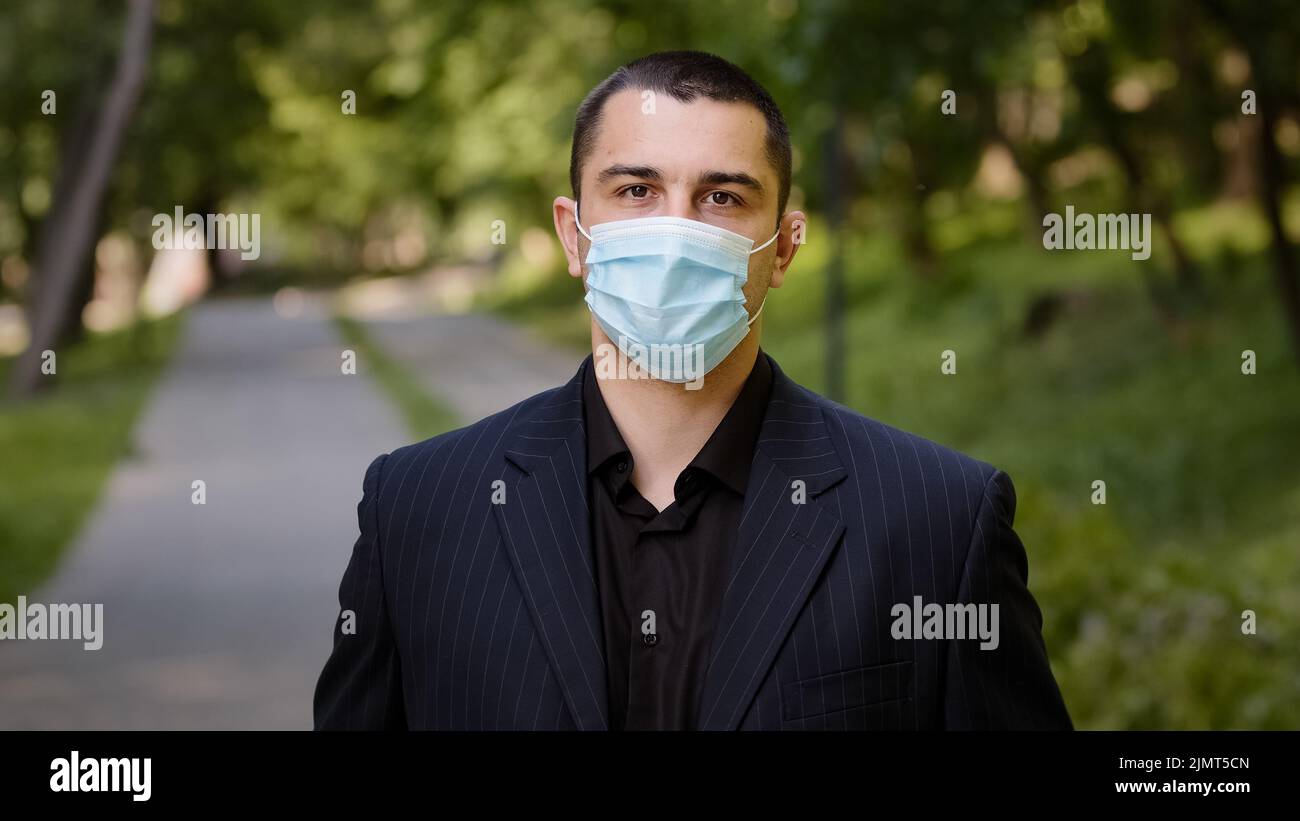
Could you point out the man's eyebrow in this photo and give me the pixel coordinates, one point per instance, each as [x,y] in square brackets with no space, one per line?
[645,172]
[732,177]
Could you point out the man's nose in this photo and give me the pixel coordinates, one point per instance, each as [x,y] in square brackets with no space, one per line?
[678,203]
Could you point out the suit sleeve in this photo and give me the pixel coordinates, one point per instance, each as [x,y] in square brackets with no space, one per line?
[1009,686]
[360,687]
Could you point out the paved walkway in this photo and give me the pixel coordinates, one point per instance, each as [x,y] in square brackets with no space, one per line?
[216,616]
[476,363]
[219,616]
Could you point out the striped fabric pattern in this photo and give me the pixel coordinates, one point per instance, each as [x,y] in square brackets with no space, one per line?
[474,606]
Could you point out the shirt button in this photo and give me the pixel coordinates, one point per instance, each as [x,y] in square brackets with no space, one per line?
[650,639]
[621,467]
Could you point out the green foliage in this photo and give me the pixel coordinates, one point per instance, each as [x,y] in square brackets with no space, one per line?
[464,107]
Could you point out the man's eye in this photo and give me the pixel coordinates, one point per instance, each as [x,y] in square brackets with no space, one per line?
[722,198]
[637,191]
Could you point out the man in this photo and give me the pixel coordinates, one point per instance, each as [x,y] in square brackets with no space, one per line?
[681,537]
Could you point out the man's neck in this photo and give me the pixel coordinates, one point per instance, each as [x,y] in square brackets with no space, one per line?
[663,423]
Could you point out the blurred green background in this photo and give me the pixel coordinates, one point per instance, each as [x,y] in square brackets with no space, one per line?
[925,235]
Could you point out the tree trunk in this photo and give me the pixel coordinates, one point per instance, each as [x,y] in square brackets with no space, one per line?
[1273,90]
[836,197]
[1145,200]
[73,154]
[68,231]
[1272,180]
[1038,199]
[1092,75]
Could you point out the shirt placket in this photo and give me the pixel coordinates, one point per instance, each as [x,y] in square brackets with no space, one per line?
[648,649]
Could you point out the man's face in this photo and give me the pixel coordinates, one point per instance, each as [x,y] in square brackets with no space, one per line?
[703,160]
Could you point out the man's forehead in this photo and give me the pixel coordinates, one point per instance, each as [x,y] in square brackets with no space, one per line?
[639,128]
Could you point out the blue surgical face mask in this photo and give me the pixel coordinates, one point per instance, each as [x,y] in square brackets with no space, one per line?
[667,291]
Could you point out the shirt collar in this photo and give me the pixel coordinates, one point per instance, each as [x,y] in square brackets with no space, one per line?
[730,448]
[604,442]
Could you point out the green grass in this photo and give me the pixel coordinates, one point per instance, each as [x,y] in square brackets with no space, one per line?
[59,446]
[1142,597]
[424,414]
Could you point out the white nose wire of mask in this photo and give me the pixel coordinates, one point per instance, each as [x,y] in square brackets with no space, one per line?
[578,221]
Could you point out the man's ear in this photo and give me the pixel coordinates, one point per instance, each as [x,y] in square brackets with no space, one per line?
[565,212]
[794,227]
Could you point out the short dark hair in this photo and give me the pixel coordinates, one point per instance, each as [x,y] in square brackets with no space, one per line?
[684,76]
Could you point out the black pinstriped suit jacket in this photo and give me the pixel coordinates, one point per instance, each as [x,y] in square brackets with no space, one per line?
[476,607]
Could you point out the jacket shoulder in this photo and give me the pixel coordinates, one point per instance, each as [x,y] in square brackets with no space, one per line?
[476,445]
[861,437]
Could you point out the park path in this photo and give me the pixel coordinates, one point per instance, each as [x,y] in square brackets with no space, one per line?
[220,615]
[476,363]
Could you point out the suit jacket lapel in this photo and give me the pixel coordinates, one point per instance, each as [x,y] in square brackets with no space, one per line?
[786,537]
[544,524]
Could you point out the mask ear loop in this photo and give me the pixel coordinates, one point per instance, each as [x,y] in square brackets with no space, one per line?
[577,221]
[762,304]
[764,245]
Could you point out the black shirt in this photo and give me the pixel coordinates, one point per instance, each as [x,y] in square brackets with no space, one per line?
[661,574]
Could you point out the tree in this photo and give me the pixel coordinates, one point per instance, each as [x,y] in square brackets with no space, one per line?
[1267,33]
[68,232]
